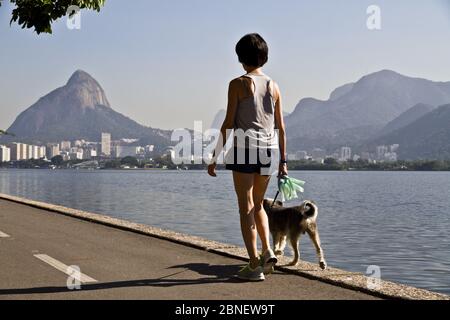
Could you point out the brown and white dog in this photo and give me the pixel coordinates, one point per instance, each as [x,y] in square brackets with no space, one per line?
[289,223]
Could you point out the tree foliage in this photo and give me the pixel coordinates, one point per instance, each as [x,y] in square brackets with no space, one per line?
[130,161]
[401,165]
[40,14]
[57,160]
[2,132]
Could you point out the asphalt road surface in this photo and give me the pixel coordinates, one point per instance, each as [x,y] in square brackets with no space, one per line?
[37,248]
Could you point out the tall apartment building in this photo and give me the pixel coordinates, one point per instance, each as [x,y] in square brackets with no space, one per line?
[29,152]
[5,154]
[381,151]
[346,153]
[15,151]
[52,150]
[42,152]
[23,151]
[65,145]
[32,152]
[106,144]
[36,152]
[18,151]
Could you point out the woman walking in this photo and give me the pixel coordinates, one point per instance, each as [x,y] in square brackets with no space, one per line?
[254,108]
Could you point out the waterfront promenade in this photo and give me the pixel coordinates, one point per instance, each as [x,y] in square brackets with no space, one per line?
[127,262]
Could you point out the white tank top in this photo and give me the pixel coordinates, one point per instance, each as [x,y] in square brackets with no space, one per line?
[254,124]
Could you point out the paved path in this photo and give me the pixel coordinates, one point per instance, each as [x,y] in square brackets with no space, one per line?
[36,246]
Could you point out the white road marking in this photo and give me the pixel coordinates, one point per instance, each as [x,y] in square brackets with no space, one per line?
[64,268]
[4,235]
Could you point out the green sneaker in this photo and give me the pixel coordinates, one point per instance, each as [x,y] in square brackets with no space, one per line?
[249,274]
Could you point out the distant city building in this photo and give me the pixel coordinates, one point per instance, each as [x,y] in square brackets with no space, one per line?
[65,155]
[345,154]
[149,148]
[301,155]
[15,151]
[381,151]
[356,157]
[74,150]
[106,144]
[292,157]
[23,151]
[76,155]
[124,151]
[365,156]
[19,151]
[53,150]
[318,154]
[36,152]
[390,156]
[42,152]
[65,145]
[93,153]
[140,151]
[394,147]
[29,152]
[335,155]
[5,154]
[80,143]
[33,152]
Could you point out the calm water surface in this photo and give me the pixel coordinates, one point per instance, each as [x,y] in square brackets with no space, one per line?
[399,221]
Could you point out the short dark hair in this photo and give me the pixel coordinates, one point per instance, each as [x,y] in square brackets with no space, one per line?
[252,50]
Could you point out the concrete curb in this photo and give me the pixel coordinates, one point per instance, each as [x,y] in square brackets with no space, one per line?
[350,280]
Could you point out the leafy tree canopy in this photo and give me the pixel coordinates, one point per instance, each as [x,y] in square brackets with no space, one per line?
[131,161]
[2,132]
[40,14]
[57,160]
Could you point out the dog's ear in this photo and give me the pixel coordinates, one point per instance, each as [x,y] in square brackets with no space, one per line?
[279,203]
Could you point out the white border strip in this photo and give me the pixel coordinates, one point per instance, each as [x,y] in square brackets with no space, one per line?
[81,277]
[4,235]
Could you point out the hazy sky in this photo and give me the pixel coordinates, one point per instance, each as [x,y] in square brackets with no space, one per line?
[168,63]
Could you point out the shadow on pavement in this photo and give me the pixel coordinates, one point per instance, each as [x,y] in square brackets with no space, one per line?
[210,273]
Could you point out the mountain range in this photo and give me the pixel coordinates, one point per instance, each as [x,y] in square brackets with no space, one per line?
[80,110]
[376,109]
[359,111]
[384,107]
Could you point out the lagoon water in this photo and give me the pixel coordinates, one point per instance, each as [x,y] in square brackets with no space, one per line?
[399,221]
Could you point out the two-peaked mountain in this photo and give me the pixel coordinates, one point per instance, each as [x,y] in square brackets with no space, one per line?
[80,110]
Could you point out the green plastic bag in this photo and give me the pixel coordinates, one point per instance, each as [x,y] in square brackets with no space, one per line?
[288,187]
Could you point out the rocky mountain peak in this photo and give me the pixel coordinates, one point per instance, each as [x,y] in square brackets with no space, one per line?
[86,90]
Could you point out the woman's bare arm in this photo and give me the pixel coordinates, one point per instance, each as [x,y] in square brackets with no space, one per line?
[234,90]
[279,125]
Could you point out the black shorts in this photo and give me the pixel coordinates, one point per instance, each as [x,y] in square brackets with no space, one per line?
[250,164]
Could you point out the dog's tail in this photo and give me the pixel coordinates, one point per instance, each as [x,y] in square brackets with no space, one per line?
[308,209]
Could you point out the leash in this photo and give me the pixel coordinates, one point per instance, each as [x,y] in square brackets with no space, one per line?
[275,199]
[278,192]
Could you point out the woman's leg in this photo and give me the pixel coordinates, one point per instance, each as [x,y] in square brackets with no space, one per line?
[262,222]
[243,184]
